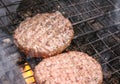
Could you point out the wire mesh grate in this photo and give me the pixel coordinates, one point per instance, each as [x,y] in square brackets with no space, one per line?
[96,25]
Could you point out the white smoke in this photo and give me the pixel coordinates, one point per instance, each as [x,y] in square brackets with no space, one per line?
[4,20]
[117,14]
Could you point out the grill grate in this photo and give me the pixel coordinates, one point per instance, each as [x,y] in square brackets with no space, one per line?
[96,24]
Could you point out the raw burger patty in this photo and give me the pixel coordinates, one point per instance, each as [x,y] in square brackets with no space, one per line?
[44,35]
[69,68]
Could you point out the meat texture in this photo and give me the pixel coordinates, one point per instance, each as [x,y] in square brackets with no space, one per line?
[44,35]
[72,67]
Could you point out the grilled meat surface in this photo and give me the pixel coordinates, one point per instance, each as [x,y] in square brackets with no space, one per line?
[44,35]
[72,67]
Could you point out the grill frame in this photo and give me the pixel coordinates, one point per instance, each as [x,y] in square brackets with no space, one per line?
[99,27]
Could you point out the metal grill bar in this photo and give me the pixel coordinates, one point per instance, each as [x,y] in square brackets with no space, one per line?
[96,25]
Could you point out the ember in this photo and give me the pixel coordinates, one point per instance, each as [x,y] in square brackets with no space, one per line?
[97,32]
[28,74]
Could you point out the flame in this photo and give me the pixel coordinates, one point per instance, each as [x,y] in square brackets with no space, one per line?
[28,74]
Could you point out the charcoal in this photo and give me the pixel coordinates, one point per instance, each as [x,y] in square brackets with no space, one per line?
[73,46]
[102,3]
[88,49]
[114,79]
[92,37]
[75,19]
[116,50]
[113,29]
[103,33]
[76,31]
[81,40]
[117,35]
[99,46]
[107,71]
[71,11]
[85,16]
[108,55]
[115,63]
[85,28]
[110,41]
[96,30]
[107,8]
[98,58]
[77,1]
[96,26]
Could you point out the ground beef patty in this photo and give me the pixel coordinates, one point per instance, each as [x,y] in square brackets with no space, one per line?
[69,68]
[44,35]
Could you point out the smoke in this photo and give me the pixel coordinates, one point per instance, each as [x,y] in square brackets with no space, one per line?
[4,20]
[114,14]
[117,3]
[117,13]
